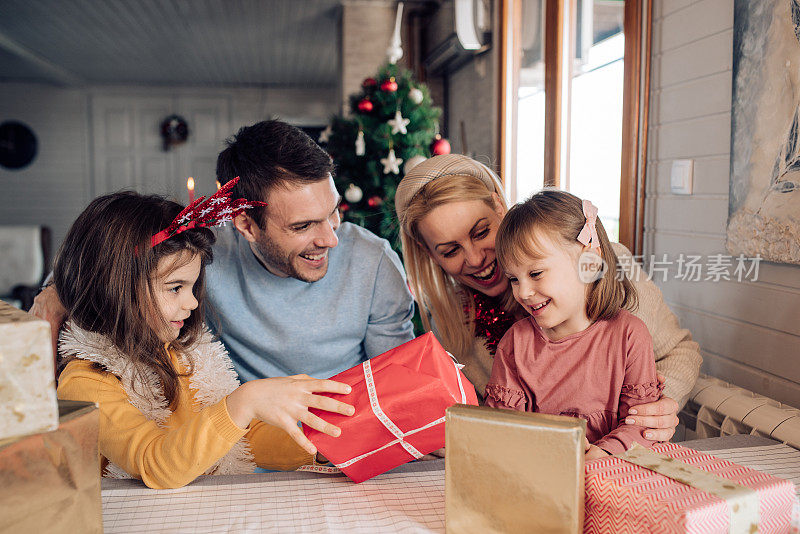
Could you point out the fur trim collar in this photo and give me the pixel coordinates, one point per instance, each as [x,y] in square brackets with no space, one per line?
[213,378]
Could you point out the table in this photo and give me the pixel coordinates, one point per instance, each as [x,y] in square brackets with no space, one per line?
[409,499]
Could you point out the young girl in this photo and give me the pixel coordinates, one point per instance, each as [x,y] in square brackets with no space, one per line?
[580,353]
[130,274]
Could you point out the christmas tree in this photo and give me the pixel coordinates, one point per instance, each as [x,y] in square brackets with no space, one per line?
[392,126]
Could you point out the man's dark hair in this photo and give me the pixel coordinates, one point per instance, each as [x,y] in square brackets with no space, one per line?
[267,154]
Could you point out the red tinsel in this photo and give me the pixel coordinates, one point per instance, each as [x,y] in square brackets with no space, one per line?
[492,321]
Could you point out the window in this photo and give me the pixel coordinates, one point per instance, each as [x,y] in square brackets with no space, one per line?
[572,112]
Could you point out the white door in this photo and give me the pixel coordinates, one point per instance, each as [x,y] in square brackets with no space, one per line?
[209,125]
[128,151]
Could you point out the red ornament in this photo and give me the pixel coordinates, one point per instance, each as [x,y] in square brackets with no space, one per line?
[389,86]
[365,106]
[375,201]
[344,206]
[440,146]
[369,82]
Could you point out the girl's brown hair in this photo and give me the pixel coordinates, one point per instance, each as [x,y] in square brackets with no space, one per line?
[104,274]
[559,215]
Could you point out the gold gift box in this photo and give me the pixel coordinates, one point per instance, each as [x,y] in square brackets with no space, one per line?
[509,471]
[50,482]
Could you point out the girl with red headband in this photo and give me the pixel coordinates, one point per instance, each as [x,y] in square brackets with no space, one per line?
[130,274]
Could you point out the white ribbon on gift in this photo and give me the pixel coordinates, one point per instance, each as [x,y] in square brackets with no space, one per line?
[388,423]
[742,501]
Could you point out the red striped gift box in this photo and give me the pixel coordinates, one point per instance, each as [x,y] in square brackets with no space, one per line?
[624,498]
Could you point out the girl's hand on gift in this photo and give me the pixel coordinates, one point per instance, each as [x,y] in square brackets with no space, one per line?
[47,306]
[659,418]
[593,452]
[284,401]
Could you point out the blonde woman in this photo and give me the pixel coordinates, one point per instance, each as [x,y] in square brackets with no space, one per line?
[450,208]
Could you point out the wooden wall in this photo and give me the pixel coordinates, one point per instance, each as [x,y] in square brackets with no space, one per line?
[749,331]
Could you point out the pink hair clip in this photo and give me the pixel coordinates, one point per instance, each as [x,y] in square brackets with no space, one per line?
[203,212]
[588,235]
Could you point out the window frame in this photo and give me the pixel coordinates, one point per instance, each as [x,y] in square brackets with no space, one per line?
[637,27]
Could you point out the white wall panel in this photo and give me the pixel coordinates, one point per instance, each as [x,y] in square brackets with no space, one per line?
[68,168]
[697,21]
[756,303]
[748,330]
[695,137]
[53,189]
[665,7]
[704,96]
[739,341]
[711,176]
[707,214]
[695,59]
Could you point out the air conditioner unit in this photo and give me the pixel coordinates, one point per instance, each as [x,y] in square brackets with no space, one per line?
[471,36]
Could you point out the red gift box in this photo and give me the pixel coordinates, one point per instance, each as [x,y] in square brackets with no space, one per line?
[622,497]
[400,399]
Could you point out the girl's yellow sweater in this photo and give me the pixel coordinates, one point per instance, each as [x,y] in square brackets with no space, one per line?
[190,443]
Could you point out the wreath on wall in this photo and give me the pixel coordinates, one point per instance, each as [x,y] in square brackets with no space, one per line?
[174,131]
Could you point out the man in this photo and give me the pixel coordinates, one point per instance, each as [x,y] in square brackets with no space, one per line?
[291,289]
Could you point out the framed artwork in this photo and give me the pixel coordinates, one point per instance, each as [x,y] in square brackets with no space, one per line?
[764,201]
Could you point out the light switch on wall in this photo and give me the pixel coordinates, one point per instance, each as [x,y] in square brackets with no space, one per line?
[680,178]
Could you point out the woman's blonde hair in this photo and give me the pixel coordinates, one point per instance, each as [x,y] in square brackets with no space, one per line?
[449,303]
[559,215]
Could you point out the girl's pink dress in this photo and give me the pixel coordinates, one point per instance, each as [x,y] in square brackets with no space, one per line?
[596,374]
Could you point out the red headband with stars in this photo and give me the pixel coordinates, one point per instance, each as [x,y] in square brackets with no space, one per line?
[215,210]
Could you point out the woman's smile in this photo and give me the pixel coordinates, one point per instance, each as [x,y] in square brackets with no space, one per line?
[489,275]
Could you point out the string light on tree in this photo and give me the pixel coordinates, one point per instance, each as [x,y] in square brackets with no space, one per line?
[391,163]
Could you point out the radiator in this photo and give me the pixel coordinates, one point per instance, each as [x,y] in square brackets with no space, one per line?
[716,408]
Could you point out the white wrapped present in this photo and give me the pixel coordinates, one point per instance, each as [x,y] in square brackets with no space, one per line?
[27,380]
